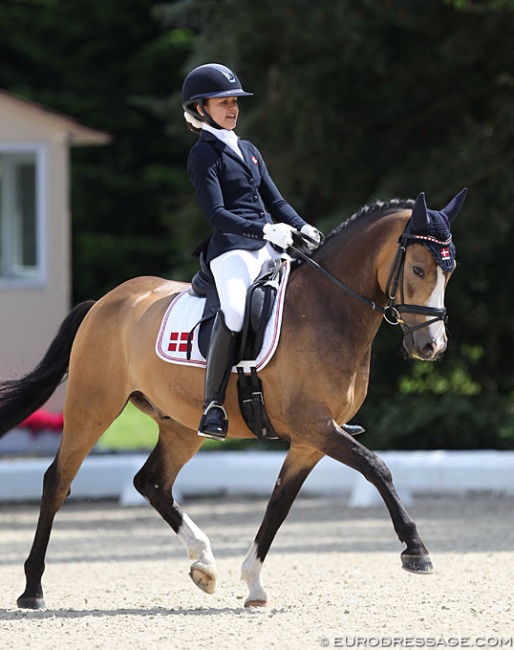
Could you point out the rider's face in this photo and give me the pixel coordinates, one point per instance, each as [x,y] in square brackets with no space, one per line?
[223,110]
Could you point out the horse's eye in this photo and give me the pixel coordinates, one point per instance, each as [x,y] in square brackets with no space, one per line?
[418,271]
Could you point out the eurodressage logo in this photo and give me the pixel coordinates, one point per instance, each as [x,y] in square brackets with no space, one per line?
[417,642]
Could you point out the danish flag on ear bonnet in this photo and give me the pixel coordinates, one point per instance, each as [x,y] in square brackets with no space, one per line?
[431,228]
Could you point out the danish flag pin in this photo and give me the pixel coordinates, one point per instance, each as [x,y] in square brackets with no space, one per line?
[254,160]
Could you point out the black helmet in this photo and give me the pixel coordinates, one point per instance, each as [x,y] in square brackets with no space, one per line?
[206,81]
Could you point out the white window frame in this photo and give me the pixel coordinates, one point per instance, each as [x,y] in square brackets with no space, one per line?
[38,277]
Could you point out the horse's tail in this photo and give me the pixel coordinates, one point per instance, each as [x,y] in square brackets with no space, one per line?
[19,398]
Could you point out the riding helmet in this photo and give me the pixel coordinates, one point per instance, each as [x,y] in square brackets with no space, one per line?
[206,81]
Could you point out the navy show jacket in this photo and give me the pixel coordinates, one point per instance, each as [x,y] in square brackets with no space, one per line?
[237,197]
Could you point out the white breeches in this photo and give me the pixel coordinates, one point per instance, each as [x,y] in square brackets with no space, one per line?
[234,272]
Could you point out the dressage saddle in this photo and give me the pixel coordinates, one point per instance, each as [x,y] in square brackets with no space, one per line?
[260,299]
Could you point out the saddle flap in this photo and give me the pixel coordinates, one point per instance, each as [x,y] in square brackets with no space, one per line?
[259,305]
[260,300]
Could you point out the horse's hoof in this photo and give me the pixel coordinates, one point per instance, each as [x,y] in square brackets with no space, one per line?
[24,602]
[417,564]
[256,603]
[203,580]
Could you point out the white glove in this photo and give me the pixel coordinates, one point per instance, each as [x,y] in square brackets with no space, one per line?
[279,234]
[313,233]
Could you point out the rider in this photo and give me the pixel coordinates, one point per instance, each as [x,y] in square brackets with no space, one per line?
[250,219]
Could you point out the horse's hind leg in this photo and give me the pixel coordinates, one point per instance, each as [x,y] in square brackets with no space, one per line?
[297,466]
[80,433]
[177,445]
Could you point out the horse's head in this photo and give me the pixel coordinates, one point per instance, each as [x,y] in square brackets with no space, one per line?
[423,266]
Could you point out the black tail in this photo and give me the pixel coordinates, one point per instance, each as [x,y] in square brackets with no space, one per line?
[19,398]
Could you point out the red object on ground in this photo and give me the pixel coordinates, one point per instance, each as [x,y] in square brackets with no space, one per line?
[41,420]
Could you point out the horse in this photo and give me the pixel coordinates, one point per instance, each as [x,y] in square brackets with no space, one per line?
[365,270]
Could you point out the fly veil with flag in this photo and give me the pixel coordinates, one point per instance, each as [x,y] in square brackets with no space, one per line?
[431,228]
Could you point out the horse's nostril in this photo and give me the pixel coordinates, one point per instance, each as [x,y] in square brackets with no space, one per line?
[430,348]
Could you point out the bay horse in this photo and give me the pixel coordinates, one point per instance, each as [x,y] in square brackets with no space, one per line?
[390,260]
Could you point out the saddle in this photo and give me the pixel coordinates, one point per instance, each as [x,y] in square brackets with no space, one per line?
[260,299]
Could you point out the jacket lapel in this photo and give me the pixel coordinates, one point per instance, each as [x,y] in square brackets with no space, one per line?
[221,146]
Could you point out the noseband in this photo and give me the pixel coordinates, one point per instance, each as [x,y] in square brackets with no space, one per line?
[392,312]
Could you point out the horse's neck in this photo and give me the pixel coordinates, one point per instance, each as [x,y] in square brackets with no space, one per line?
[356,256]
[360,253]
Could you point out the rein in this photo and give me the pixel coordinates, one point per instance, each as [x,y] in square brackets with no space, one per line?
[392,312]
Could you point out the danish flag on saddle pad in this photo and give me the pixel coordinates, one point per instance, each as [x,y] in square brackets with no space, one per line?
[178,341]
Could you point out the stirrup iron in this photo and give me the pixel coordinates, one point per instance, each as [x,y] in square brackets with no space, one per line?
[353,429]
[219,430]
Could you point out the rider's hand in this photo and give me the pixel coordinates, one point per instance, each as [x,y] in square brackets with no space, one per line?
[279,234]
[314,234]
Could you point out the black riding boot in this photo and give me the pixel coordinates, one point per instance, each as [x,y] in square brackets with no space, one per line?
[220,359]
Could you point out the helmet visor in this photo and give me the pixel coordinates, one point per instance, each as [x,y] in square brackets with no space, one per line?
[234,92]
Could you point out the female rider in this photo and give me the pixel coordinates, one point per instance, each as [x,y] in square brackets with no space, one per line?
[251,222]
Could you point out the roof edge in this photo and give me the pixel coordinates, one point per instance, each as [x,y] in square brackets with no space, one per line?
[77,133]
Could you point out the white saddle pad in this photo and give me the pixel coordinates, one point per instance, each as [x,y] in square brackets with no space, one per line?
[184,313]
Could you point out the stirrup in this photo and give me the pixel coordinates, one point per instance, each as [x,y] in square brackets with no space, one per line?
[214,430]
[353,429]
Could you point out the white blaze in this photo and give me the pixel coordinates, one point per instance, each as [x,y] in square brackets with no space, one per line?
[436,330]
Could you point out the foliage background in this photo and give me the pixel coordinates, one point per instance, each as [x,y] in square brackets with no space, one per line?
[355,101]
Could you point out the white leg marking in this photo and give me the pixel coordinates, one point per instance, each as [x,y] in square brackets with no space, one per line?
[251,574]
[203,570]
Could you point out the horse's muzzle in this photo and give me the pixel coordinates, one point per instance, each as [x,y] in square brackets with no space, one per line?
[425,348]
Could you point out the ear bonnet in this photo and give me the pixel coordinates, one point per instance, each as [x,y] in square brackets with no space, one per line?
[431,228]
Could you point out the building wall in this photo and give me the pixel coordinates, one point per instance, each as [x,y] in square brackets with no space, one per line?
[30,314]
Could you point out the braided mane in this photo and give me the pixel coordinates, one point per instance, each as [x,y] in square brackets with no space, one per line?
[377,210]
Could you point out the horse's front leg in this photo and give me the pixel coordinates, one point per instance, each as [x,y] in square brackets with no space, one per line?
[297,466]
[342,447]
[155,481]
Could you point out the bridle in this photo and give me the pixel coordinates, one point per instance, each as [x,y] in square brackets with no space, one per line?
[392,312]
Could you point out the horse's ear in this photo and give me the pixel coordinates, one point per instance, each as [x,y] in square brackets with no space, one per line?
[454,206]
[419,218]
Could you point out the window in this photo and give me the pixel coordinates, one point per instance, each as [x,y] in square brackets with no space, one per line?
[20,217]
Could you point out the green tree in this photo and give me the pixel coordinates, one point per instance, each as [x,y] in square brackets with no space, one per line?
[355,100]
[112,65]
[359,100]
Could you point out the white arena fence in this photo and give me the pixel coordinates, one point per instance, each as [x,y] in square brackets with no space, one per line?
[253,473]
